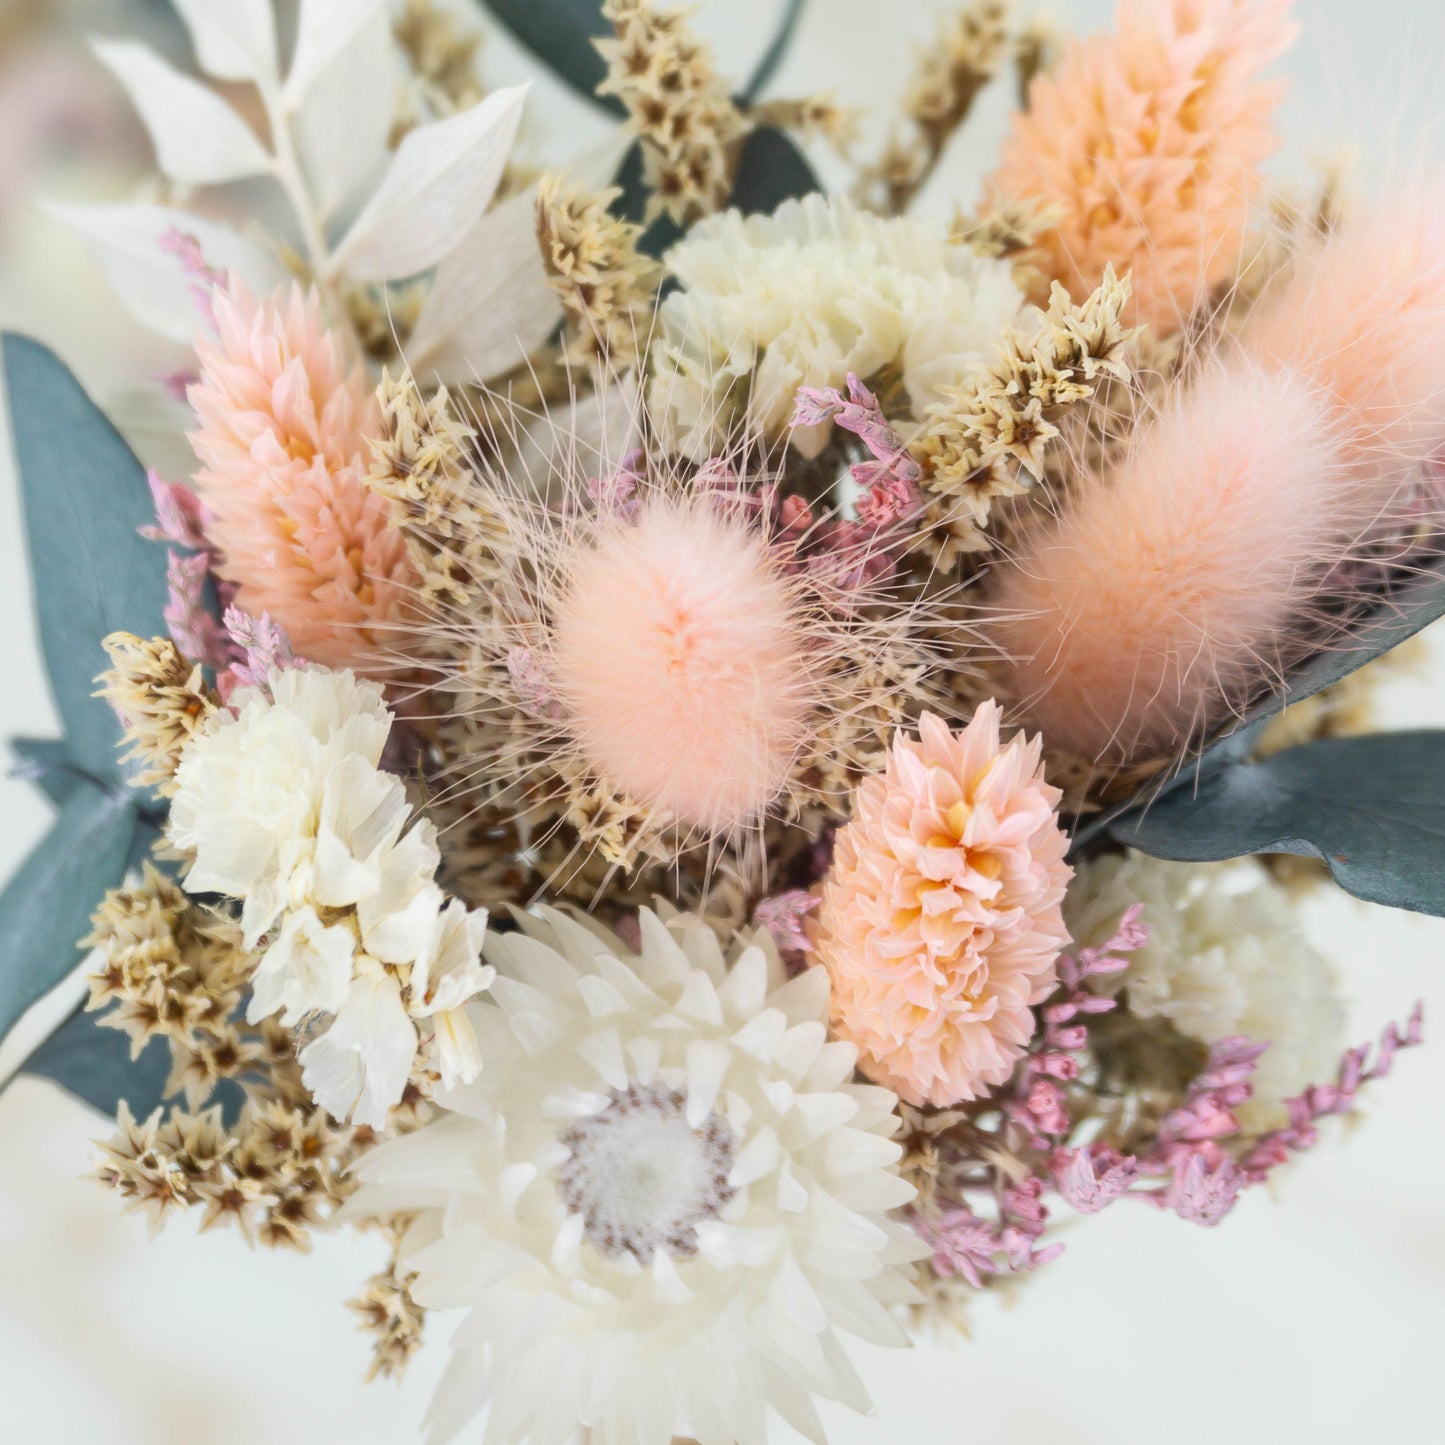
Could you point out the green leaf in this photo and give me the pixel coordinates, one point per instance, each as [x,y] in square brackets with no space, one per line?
[48,904]
[45,762]
[771,170]
[85,496]
[1410,607]
[1372,807]
[94,1064]
[560,34]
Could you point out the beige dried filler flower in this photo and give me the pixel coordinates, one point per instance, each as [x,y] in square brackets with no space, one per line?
[608,287]
[987,438]
[972,46]
[677,105]
[162,700]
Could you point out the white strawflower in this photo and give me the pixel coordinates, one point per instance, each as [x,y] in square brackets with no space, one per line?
[284,806]
[659,1200]
[804,296]
[1225,956]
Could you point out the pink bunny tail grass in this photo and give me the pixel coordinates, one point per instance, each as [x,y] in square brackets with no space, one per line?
[1173,591]
[680,656]
[1363,316]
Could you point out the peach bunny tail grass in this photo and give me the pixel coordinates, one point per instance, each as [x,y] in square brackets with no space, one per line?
[1171,592]
[680,656]
[1362,315]
[641,660]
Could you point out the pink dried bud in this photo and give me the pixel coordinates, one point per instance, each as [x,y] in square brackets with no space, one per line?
[617,495]
[180,515]
[785,916]
[189,621]
[1203,1192]
[262,645]
[1093,1178]
[534,688]
[813,406]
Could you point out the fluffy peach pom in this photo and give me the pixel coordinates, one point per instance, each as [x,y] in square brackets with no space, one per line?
[680,661]
[940,924]
[1363,315]
[282,442]
[1169,591]
[1146,144]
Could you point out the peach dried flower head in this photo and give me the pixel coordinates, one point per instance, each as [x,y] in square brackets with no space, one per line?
[941,924]
[1148,140]
[282,442]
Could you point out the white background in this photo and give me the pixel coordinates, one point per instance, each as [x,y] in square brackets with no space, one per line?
[1316,1315]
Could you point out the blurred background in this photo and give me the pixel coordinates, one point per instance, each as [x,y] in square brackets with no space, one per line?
[1316,1315]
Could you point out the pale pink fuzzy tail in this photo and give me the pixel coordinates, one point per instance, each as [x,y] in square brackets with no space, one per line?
[1169,592]
[1363,316]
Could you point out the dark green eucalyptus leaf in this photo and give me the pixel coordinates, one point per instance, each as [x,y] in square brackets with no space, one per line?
[85,496]
[771,170]
[94,1064]
[560,34]
[1372,807]
[48,904]
[45,762]
[1411,606]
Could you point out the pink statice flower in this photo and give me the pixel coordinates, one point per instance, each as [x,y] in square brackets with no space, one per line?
[204,279]
[282,443]
[940,924]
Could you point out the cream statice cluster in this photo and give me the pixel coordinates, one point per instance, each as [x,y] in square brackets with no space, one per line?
[659,1203]
[805,296]
[282,804]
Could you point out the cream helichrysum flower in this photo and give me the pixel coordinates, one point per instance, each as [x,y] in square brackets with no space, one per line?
[659,1200]
[805,296]
[1224,956]
[284,806]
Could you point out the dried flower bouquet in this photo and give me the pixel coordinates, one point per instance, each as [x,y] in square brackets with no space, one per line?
[710,759]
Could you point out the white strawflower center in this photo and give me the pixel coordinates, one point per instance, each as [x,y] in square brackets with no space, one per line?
[642,1177]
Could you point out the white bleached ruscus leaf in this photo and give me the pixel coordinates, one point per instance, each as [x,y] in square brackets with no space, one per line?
[233,39]
[324,30]
[438,183]
[340,128]
[126,242]
[490,304]
[198,138]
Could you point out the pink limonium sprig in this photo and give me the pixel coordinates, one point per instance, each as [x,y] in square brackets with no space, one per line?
[188,619]
[891,474]
[1197,1169]
[973,1247]
[1039,1107]
[259,647]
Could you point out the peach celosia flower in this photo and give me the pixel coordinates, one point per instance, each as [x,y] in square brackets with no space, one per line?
[941,921]
[282,442]
[1145,146]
